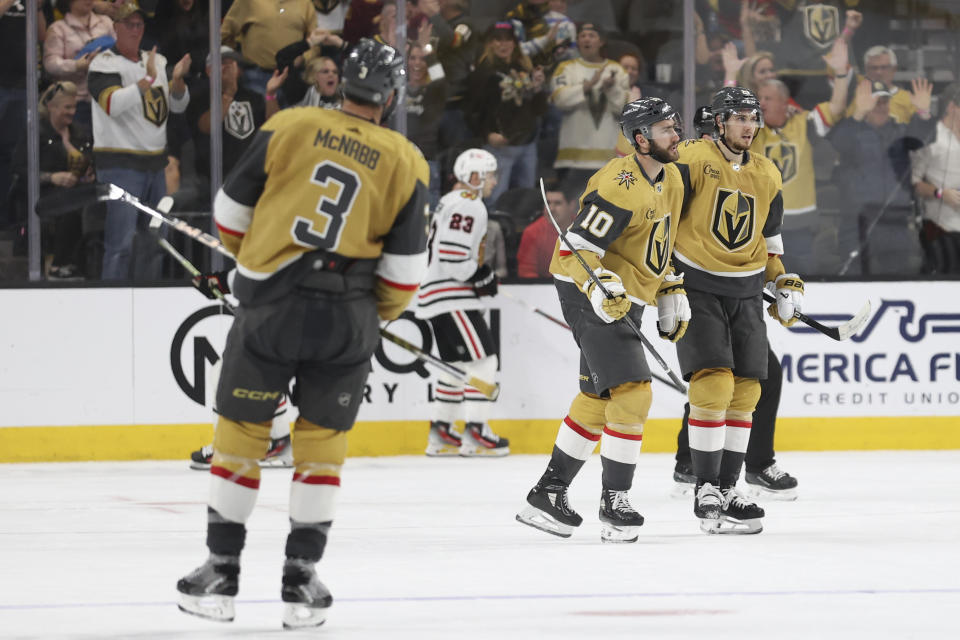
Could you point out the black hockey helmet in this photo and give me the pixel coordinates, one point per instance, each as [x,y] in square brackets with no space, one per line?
[735,99]
[638,116]
[372,72]
[704,123]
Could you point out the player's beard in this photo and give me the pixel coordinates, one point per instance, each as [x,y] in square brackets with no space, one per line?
[663,154]
[734,145]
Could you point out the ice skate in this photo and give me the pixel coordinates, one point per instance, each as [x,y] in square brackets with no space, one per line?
[479,440]
[200,459]
[619,521]
[684,481]
[772,483]
[280,453]
[549,510]
[208,591]
[738,514]
[707,505]
[306,599]
[443,440]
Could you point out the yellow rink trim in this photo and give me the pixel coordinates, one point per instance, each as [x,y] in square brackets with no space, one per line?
[176,441]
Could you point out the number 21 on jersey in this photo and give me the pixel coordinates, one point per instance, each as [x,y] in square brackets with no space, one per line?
[322,230]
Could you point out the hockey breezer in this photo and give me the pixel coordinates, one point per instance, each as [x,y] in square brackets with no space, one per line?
[677,383]
[489,389]
[558,321]
[842,332]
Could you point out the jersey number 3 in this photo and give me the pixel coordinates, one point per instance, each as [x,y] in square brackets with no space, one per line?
[323,229]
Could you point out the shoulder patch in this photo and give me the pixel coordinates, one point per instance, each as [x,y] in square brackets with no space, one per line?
[469,195]
[625,179]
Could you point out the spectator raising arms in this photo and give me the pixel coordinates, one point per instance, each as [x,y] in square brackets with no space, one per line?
[507,96]
[61,50]
[132,101]
[426,97]
[873,171]
[590,91]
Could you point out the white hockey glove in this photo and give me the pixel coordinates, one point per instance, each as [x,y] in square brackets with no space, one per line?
[673,308]
[608,309]
[788,290]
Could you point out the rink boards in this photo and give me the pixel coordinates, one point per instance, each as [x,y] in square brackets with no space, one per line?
[118,374]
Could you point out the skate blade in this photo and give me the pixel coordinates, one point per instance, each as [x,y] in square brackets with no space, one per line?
[710,525]
[533,517]
[216,608]
[276,463]
[200,466]
[483,452]
[681,490]
[756,491]
[443,451]
[731,526]
[615,534]
[300,616]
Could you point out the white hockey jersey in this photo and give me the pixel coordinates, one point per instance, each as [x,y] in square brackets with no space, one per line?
[456,235]
[129,129]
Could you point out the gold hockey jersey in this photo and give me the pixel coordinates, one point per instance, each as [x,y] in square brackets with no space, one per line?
[319,180]
[730,222]
[790,150]
[627,223]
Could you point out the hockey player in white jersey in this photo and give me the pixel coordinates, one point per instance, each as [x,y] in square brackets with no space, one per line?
[449,298]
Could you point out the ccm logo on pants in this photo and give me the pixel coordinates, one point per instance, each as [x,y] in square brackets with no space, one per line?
[249,394]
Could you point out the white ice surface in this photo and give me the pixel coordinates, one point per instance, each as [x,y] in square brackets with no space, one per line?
[428,548]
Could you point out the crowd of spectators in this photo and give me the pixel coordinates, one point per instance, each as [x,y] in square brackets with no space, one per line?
[867,150]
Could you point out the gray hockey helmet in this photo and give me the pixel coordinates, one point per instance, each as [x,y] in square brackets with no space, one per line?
[638,116]
[372,71]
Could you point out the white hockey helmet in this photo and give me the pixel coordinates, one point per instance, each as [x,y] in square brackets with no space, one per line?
[474,161]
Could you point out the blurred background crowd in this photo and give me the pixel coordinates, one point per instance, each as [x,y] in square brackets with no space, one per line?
[860,102]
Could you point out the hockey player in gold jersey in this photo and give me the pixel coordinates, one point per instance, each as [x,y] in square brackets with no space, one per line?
[729,245]
[625,230]
[326,214]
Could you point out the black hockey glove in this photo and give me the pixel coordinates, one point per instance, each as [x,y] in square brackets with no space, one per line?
[210,284]
[484,281]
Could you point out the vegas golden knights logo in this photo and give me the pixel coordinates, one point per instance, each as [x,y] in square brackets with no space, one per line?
[733,218]
[784,155]
[155,106]
[821,24]
[658,246]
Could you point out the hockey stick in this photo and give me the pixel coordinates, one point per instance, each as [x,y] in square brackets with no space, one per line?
[563,324]
[100,192]
[842,332]
[489,389]
[539,312]
[677,383]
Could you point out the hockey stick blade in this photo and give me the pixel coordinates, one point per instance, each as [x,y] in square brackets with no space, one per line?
[838,333]
[489,389]
[675,379]
[64,201]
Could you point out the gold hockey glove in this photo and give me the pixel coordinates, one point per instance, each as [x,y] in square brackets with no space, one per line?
[608,309]
[673,309]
